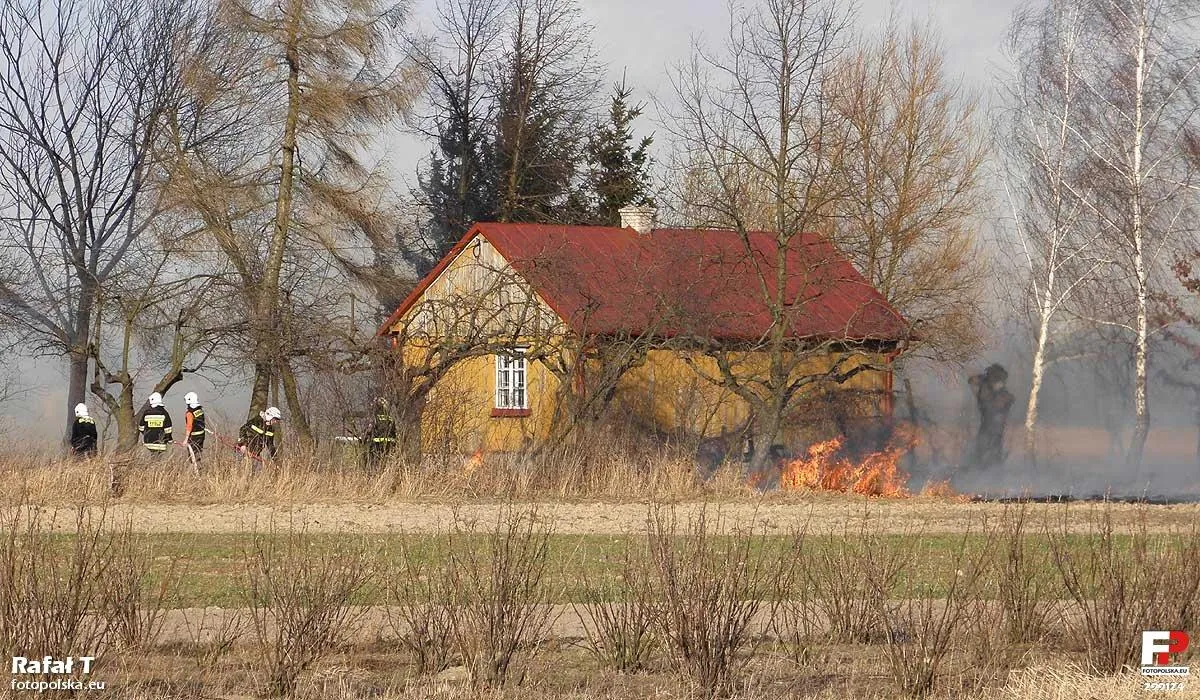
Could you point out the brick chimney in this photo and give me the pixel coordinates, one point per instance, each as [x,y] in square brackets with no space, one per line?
[640,219]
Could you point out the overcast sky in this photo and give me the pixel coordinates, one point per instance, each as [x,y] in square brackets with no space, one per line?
[643,38]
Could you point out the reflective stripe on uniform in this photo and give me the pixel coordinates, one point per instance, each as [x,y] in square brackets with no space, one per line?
[384,439]
[156,447]
[196,432]
[258,430]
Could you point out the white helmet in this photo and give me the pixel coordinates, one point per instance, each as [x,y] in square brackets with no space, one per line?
[155,400]
[191,399]
[81,410]
[272,413]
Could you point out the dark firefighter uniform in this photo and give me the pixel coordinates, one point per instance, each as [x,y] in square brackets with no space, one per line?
[156,429]
[84,437]
[194,420]
[994,403]
[258,436]
[382,436]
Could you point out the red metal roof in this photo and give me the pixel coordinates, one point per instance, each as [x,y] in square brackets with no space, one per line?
[707,283]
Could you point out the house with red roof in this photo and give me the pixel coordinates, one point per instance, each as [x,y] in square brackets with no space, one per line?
[540,317]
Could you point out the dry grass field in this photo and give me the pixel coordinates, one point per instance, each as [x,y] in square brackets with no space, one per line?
[613,576]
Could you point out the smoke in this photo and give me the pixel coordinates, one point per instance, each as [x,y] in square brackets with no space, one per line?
[1085,424]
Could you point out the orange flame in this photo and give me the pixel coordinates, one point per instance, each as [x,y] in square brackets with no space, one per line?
[942,489]
[878,474]
[473,462]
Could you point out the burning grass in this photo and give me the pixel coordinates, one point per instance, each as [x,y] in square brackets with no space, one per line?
[824,468]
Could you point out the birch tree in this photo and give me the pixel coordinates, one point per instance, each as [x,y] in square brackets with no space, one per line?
[1048,196]
[1138,89]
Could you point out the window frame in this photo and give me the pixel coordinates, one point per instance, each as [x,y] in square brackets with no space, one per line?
[511,365]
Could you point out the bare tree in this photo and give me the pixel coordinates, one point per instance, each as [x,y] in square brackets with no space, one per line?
[762,152]
[1139,83]
[913,169]
[1049,195]
[155,316]
[83,88]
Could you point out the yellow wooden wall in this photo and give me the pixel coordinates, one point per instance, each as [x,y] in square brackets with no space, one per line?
[665,393]
[459,417]
[668,393]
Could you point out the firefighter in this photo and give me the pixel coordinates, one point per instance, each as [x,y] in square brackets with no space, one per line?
[155,426]
[258,434]
[83,433]
[194,422]
[994,402]
[382,435]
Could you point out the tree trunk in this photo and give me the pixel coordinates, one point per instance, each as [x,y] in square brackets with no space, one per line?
[268,349]
[914,416]
[77,385]
[1037,373]
[261,389]
[1141,428]
[127,435]
[291,391]
[1141,404]
[766,430]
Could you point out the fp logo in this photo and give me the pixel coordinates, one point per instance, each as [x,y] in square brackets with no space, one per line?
[1159,646]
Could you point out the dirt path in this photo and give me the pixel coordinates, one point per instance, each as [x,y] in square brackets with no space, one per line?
[608,518]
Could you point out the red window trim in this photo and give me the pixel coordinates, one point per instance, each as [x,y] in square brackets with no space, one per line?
[510,412]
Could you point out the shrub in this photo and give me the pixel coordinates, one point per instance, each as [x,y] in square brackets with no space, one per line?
[921,623]
[300,597]
[137,596]
[618,620]
[1117,583]
[843,570]
[51,586]
[419,609]
[1021,582]
[708,589]
[498,599]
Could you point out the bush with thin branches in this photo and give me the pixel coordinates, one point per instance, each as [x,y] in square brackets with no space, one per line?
[418,610]
[51,586]
[922,621]
[137,596]
[618,618]
[498,598]
[300,597]
[710,584]
[1117,582]
[1028,609]
[842,570]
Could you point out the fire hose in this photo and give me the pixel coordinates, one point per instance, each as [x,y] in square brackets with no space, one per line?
[240,449]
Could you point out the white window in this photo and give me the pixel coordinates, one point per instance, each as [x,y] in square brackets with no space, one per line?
[510,380]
